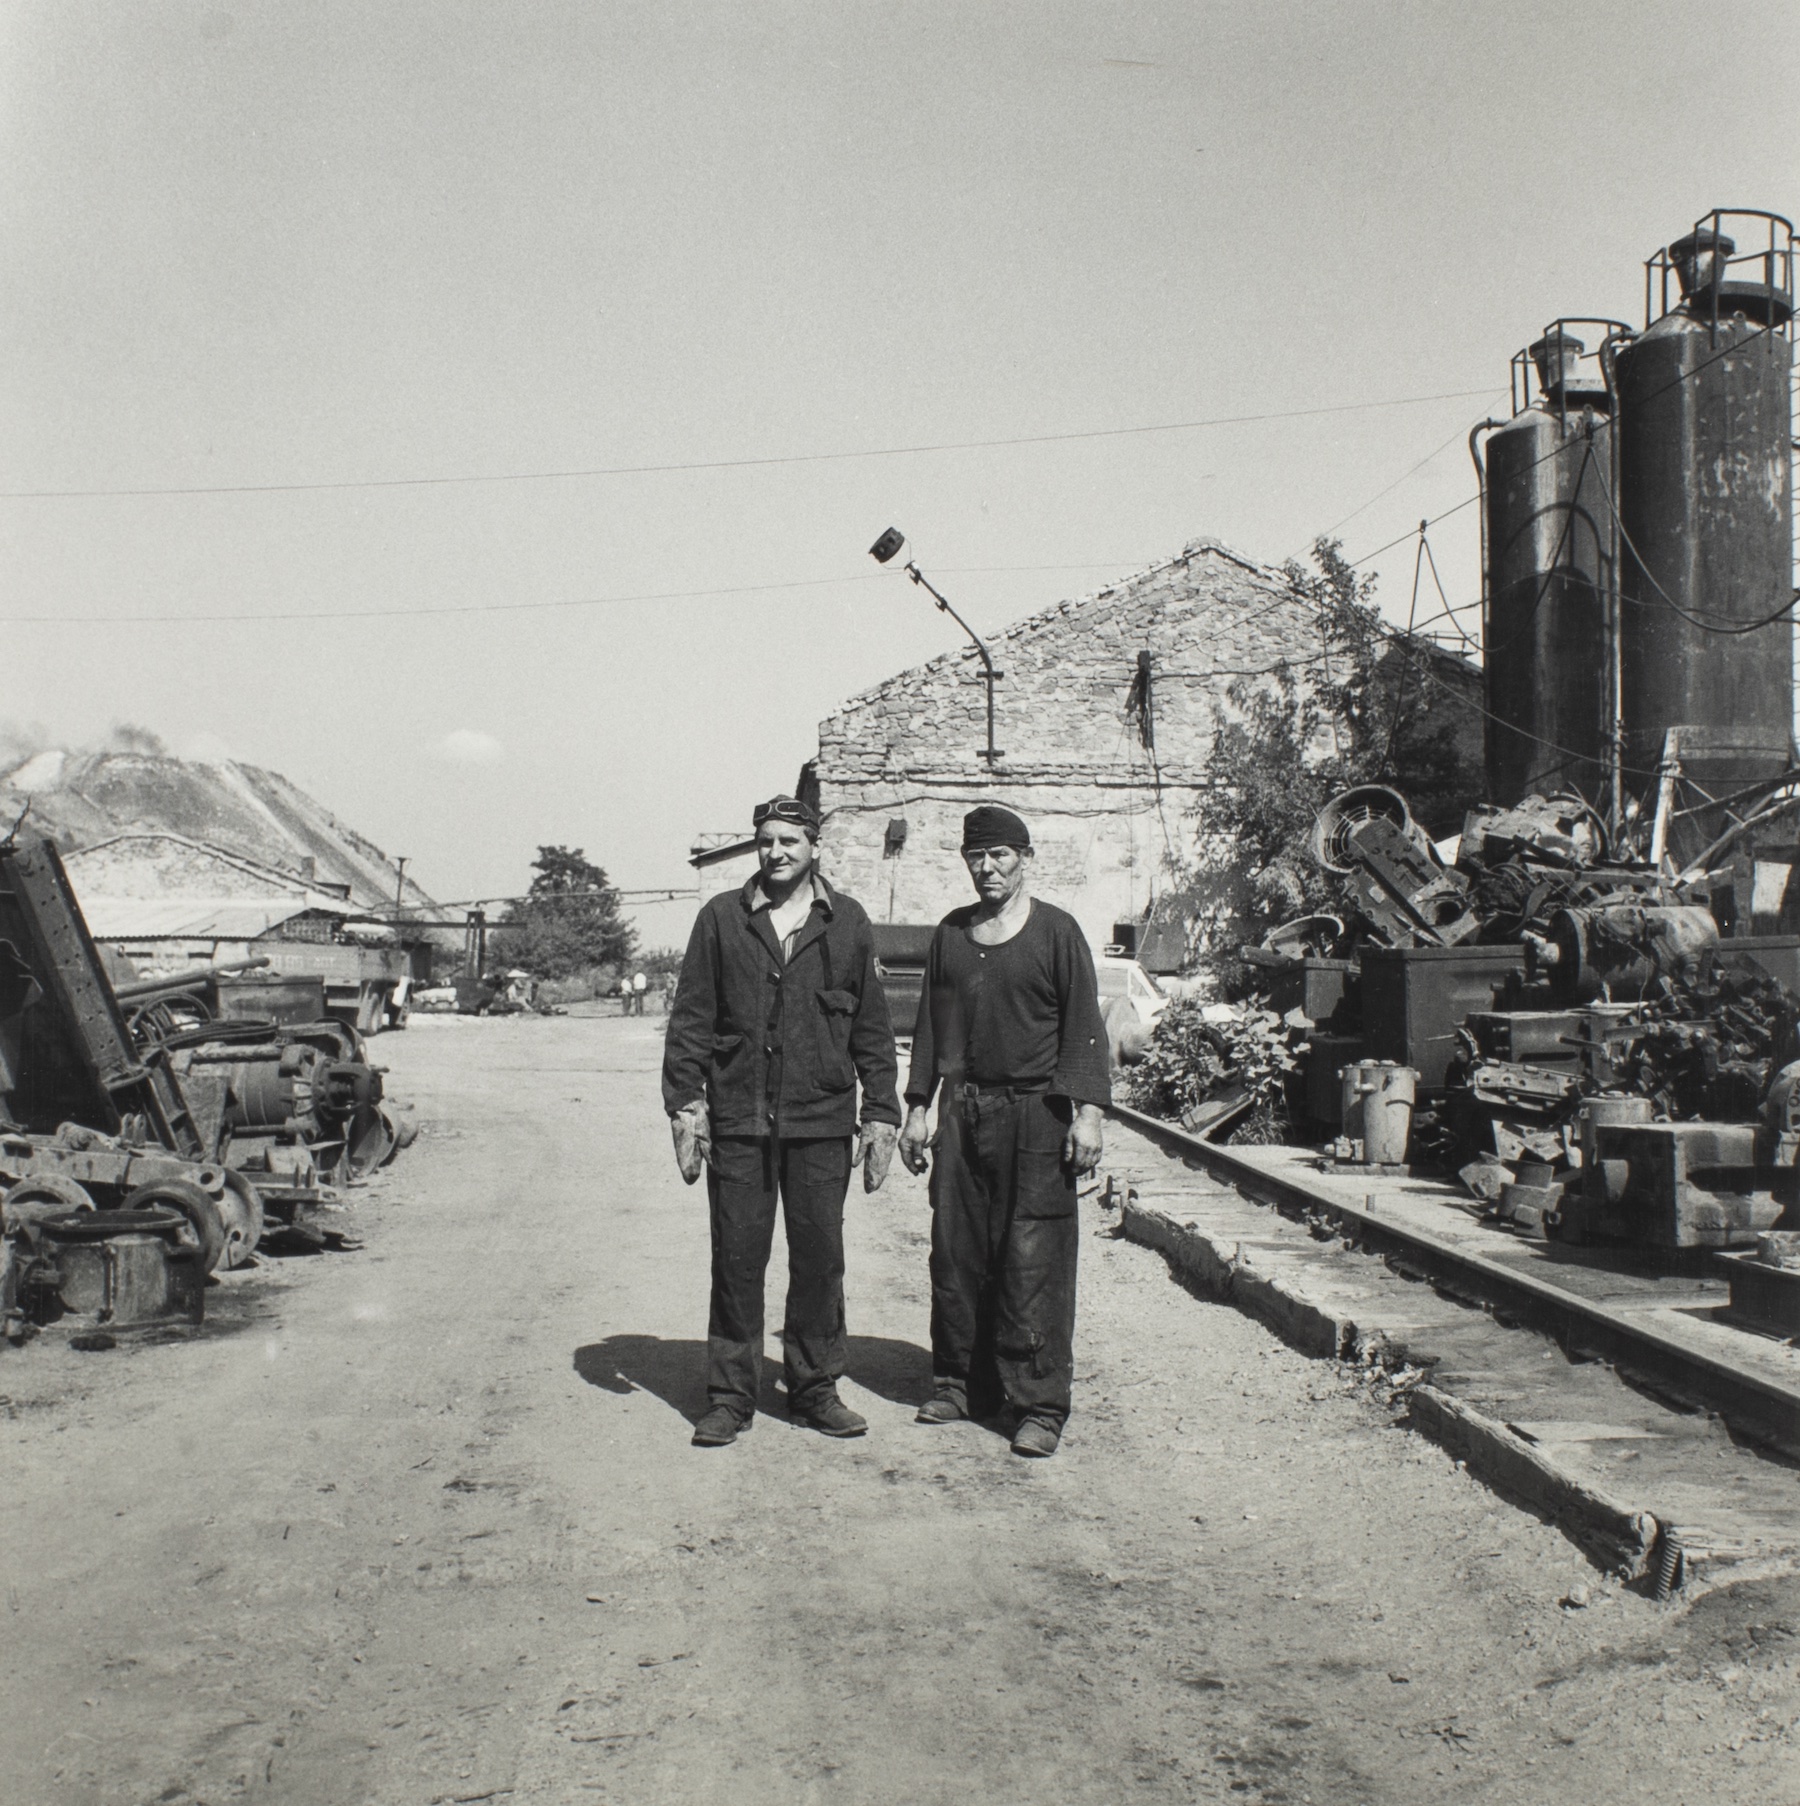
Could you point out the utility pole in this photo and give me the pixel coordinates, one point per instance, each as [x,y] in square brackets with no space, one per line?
[399,884]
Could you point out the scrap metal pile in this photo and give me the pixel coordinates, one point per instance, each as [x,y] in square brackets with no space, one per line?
[1593,1057]
[156,1132]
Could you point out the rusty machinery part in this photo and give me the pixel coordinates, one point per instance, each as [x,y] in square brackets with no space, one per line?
[1510,1088]
[1620,950]
[304,1088]
[1306,937]
[98,1070]
[133,988]
[369,1142]
[241,1211]
[165,1018]
[1346,812]
[42,1195]
[162,1219]
[283,1172]
[404,1124]
[1781,1116]
[211,1040]
[205,1222]
[1562,830]
[1402,891]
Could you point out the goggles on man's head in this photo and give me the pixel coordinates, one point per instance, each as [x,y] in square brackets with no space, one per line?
[785,808]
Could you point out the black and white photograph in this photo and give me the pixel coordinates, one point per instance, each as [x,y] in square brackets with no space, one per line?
[899,903]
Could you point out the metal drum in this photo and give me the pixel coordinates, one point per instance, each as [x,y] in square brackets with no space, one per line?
[1378,1109]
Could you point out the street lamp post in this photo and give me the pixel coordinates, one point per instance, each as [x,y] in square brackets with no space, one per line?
[882,551]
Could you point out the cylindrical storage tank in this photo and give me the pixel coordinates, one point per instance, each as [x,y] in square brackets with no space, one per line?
[1705,423]
[1549,548]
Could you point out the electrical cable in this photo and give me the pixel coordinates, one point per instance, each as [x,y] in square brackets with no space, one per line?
[1406,477]
[1412,615]
[1552,569]
[642,470]
[694,595]
[1467,638]
[480,608]
[1785,612]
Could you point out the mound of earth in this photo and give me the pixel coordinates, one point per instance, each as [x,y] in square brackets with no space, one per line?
[81,798]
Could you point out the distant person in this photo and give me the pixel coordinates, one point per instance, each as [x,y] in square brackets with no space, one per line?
[639,985]
[778,1015]
[1009,1024]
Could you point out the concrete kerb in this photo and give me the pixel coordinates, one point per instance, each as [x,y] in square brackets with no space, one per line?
[1619,1538]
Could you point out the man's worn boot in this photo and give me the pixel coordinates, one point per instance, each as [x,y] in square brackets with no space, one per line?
[1035,1438]
[828,1414]
[720,1426]
[944,1406]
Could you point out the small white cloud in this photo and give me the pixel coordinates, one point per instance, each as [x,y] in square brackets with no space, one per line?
[468,746]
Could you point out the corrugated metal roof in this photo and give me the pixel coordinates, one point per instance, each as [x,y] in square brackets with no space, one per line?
[196,918]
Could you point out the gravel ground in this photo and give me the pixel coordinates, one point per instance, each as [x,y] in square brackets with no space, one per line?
[420,1523]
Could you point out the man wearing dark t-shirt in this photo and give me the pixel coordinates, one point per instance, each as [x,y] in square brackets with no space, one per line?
[1009,1023]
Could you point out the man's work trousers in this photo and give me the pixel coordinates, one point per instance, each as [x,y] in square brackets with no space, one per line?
[1004,1238]
[743,1183]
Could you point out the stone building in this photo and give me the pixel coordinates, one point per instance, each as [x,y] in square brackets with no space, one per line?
[1109,795]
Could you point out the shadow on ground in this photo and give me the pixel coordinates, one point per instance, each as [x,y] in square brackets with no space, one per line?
[675,1370]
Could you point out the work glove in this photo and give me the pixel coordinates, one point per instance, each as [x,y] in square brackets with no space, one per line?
[693,1139]
[914,1139]
[877,1152]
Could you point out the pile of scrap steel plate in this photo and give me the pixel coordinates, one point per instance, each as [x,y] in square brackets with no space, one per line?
[1591,1053]
[152,1134]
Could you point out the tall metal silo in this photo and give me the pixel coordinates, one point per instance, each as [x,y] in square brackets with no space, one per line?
[1550,554]
[1705,425]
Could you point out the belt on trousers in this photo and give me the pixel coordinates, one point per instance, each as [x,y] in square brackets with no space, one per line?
[967,1093]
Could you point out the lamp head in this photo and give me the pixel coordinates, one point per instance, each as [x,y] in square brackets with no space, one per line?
[887,545]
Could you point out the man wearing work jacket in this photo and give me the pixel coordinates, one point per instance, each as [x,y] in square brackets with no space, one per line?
[778,1015]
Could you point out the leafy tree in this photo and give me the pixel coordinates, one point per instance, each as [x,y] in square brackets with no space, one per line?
[1366,708]
[568,922]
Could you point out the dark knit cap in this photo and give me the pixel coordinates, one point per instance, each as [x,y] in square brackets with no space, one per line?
[991,826]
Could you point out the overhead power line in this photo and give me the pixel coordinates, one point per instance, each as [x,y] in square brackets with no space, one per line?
[646,470]
[492,608]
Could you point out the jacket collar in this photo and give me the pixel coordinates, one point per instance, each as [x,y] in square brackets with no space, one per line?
[756,902]
[755,906]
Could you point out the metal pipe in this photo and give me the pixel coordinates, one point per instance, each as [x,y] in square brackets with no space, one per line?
[187,981]
[1475,433]
[987,664]
[1612,607]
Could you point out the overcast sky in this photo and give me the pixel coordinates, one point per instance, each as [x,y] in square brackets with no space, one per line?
[266,244]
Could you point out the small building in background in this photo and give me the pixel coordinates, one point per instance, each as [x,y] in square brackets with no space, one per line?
[161,904]
[721,862]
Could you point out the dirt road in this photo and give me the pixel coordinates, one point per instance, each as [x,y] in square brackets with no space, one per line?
[420,1523]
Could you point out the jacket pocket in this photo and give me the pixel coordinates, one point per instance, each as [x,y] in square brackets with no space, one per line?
[725,1049]
[836,1017]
